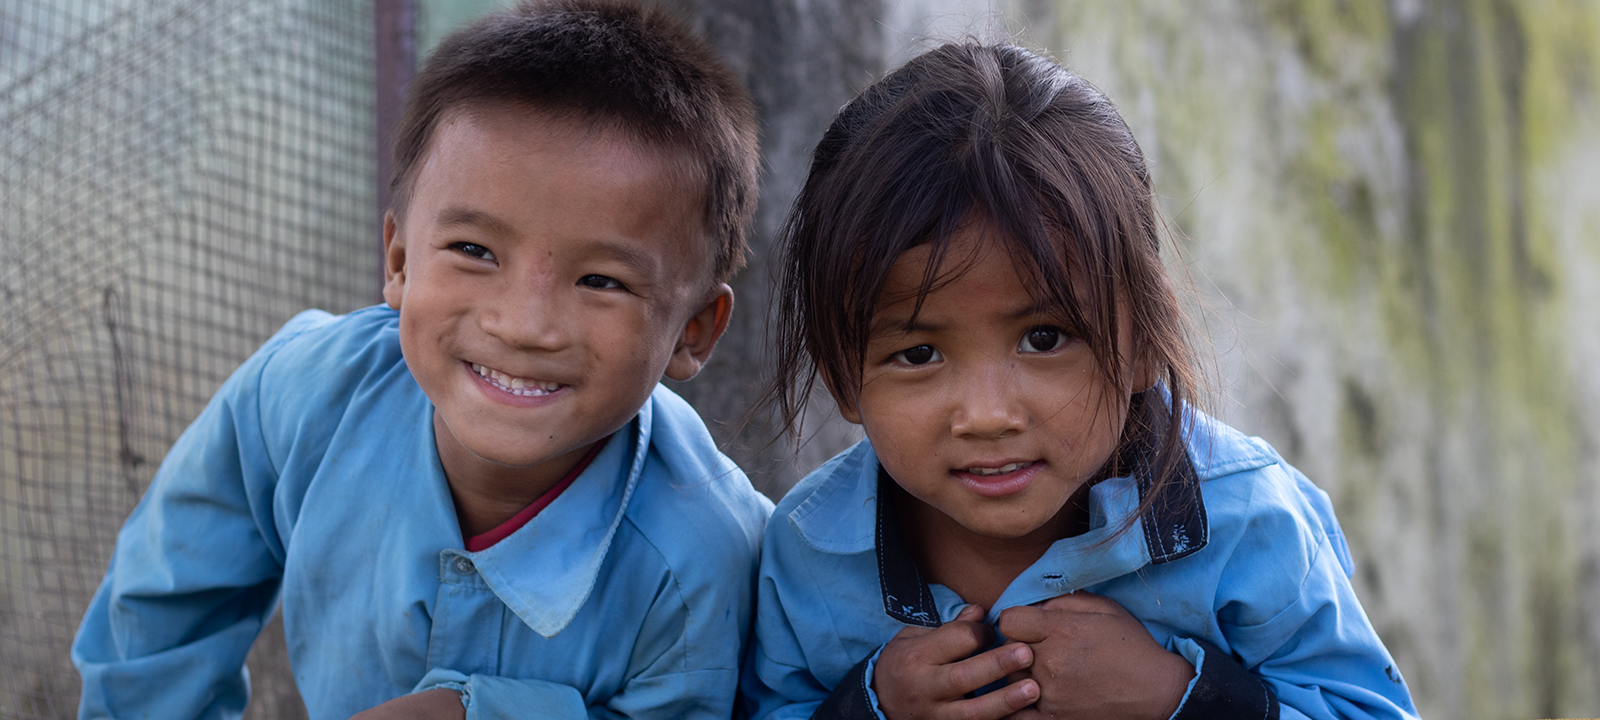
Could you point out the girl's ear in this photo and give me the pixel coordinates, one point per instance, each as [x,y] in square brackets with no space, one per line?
[394,261]
[1146,369]
[700,334]
[847,408]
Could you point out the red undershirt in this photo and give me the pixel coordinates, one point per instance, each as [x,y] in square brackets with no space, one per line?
[478,543]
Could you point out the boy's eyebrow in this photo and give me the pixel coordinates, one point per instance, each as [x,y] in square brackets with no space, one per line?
[624,254]
[455,215]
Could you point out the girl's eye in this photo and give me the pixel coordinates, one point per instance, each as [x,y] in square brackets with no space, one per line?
[919,355]
[1041,339]
[475,251]
[601,282]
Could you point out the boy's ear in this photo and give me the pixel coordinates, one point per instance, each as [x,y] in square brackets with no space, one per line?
[394,261]
[700,334]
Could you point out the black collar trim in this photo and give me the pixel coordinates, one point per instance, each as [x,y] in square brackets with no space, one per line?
[1175,524]
[905,596]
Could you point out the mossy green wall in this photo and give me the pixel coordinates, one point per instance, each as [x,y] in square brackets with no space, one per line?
[1393,212]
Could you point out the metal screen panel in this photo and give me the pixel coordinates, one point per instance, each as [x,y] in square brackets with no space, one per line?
[177,179]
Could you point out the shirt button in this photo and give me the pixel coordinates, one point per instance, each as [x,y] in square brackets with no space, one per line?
[463,566]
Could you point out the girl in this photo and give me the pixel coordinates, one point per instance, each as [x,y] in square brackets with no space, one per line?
[972,269]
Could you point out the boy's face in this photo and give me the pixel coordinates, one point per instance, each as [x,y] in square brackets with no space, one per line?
[546,275]
[985,410]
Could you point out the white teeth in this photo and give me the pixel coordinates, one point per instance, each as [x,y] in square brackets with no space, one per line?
[515,385]
[1003,469]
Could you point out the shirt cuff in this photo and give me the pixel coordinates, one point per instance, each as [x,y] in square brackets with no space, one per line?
[1221,687]
[486,697]
[853,698]
[438,679]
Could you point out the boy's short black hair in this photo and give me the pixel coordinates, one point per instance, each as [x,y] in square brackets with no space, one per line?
[613,63]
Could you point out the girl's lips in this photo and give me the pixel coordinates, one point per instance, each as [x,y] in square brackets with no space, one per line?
[1002,484]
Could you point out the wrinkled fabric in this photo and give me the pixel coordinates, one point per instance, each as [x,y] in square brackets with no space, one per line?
[312,476]
[1263,575]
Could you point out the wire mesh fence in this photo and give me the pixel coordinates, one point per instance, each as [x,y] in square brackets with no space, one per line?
[177,179]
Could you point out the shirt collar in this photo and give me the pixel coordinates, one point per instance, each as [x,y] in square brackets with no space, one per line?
[545,570]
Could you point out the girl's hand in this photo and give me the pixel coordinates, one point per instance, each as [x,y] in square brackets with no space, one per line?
[926,673]
[435,704]
[1094,660]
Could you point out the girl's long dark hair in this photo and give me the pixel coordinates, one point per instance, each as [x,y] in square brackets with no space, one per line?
[995,133]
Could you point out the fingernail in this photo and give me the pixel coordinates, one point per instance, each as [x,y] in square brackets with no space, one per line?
[1023,654]
[1030,690]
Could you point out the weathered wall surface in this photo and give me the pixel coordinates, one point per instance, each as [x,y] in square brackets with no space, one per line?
[1391,212]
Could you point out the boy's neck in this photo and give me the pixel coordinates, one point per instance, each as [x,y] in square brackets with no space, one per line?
[486,494]
[979,567]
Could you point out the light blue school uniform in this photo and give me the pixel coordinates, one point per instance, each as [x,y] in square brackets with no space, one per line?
[312,475]
[1242,569]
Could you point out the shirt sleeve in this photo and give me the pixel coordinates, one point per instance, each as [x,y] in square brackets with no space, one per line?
[195,574]
[1326,661]
[1221,687]
[692,694]
[779,682]
[1309,641]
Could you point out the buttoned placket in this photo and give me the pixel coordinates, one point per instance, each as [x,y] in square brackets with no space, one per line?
[464,602]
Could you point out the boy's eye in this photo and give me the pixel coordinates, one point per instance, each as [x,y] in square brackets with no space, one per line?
[601,282]
[1041,339]
[919,355]
[474,250]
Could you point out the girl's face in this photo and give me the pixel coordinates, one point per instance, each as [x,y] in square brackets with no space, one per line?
[984,408]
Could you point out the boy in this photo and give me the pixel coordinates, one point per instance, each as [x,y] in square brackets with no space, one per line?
[476,502]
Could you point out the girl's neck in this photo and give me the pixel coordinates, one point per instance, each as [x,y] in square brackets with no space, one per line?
[979,567]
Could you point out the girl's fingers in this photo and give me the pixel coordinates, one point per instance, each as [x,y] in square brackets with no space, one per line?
[1084,602]
[955,640]
[1024,624]
[985,668]
[970,613]
[1027,713]
[999,704]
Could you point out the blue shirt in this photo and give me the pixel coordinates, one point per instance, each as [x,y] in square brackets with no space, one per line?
[313,475]
[1247,571]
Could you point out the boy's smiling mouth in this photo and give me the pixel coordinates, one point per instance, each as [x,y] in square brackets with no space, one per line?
[524,387]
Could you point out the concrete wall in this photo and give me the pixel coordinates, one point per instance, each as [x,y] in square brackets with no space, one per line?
[1391,214]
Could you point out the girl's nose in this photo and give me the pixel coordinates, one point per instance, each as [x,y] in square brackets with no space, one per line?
[988,405]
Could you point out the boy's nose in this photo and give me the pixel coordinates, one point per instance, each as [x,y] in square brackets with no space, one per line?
[987,405]
[528,315]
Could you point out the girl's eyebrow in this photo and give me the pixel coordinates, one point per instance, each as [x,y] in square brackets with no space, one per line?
[883,324]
